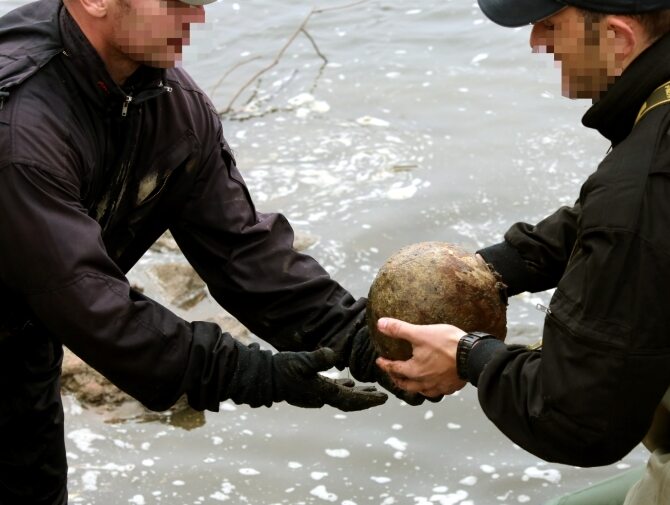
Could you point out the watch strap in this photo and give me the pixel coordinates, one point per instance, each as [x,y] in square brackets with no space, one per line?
[465,345]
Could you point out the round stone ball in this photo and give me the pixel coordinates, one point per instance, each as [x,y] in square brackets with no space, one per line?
[435,283]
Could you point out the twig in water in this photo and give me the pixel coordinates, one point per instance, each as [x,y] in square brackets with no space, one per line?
[302,28]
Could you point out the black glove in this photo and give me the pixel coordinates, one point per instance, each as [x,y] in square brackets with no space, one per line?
[363,367]
[262,378]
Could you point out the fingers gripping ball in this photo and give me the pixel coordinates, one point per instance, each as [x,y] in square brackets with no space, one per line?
[434,283]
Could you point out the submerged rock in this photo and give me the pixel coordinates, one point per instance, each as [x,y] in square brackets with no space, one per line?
[432,283]
[177,286]
[181,286]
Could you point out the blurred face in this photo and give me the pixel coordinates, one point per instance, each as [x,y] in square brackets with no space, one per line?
[153,32]
[584,50]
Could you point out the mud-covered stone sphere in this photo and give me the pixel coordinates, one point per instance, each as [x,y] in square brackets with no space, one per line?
[433,283]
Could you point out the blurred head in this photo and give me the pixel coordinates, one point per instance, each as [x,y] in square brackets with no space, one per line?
[134,32]
[591,47]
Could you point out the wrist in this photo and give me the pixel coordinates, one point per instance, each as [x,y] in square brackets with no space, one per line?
[465,346]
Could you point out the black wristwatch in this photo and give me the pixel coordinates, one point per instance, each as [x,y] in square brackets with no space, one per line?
[465,345]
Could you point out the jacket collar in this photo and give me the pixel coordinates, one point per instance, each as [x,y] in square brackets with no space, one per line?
[92,76]
[614,114]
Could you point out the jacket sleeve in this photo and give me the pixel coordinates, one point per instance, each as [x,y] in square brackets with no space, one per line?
[54,259]
[533,258]
[588,396]
[250,266]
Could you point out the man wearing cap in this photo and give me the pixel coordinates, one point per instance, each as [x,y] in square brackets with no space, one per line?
[104,145]
[590,394]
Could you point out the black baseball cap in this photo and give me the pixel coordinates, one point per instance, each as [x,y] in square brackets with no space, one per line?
[514,13]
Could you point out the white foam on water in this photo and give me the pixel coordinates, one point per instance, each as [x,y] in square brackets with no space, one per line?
[440,489]
[113,467]
[349,502]
[217,440]
[396,444]
[148,462]
[90,480]
[396,427]
[223,494]
[294,465]
[227,406]
[550,474]
[448,499]
[249,471]
[372,121]
[401,192]
[453,426]
[380,480]
[322,493]
[178,483]
[478,58]
[138,499]
[470,480]
[301,99]
[75,409]
[318,475]
[338,453]
[428,415]
[83,438]
[487,468]
[413,12]
[522,498]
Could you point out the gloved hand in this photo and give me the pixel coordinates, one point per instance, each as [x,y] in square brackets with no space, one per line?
[262,378]
[363,367]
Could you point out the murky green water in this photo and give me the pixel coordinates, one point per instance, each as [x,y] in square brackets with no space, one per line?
[427,123]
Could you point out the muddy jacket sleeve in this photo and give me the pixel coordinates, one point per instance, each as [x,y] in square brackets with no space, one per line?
[587,398]
[54,259]
[250,267]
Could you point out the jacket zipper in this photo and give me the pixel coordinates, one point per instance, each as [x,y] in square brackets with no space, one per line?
[126,104]
[538,345]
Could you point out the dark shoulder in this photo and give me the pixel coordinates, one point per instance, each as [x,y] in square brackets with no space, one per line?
[625,186]
[41,124]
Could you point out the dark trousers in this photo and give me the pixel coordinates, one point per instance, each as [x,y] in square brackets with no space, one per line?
[33,467]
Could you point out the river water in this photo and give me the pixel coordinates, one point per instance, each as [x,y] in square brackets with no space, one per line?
[426,123]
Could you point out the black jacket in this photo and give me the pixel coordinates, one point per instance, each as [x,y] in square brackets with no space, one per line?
[91,174]
[587,398]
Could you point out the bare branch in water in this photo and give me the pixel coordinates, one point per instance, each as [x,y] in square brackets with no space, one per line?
[230,71]
[302,28]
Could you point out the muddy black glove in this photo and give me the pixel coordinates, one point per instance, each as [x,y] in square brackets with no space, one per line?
[262,378]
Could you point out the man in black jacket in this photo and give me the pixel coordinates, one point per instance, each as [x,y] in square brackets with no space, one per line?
[590,394]
[104,145]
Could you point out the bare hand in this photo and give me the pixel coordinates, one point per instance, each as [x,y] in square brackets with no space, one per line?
[432,369]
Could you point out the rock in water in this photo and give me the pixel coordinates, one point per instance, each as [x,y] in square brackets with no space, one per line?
[433,283]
